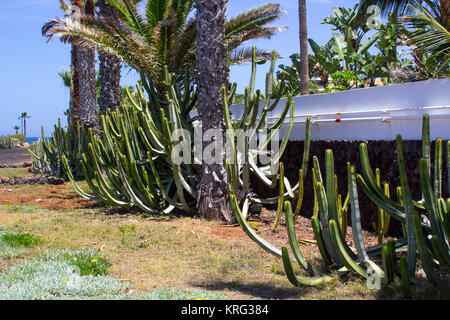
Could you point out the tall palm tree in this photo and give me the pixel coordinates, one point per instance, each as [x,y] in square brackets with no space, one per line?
[163,35]
[303,34]
[17,129]
[110,67]
[24,116]
[88,115]
[211,76]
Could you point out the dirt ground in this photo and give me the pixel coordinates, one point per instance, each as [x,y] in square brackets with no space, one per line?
[13,156]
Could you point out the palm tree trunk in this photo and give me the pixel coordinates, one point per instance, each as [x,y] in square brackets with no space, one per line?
[303,34]
[110,67]
[211,76]
[85,60]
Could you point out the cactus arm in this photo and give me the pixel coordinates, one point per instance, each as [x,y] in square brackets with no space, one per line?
[300,194]
[393,211]
[433,211]
[74,184]
[340,250]
[323,215]
[376,250]
[424,252]
[408,205]
[438,169]
[293,242]
[426,145]
[405,278]
[444,209]
[387,265]
[371,181]
[440,254]
[448,167]
[320,241]
[356,217]
[300,281]
[267,246]
[280,198]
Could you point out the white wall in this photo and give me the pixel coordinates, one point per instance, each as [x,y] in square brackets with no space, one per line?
[377,113]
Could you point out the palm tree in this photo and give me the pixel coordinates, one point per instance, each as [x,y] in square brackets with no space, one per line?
[17,129]
[211,76]
[110,67]
[88,115]
[24,116]
[303,34]
[163,35]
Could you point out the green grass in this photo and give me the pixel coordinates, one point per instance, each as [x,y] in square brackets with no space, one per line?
[20,239]
[24,209]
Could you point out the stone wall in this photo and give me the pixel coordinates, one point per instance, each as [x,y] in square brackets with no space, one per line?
[382,155]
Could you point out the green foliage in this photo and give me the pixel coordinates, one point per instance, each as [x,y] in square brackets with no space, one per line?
[434,254]
[88,262]
[47,153]
[20,239]
[8,142]
[430,241]
[19,137]
[166,33]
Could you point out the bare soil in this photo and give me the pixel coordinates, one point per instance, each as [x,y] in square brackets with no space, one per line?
[10,157]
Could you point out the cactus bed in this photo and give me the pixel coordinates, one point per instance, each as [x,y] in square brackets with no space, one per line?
[221,258]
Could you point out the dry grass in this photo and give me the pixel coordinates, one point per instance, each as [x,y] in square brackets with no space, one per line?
[158,252]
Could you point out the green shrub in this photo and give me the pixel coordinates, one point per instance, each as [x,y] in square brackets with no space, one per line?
[6,142]
[20,137]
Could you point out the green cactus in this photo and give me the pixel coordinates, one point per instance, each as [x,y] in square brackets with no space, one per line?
[382,225]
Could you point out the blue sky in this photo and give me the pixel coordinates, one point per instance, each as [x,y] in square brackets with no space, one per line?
[29,65]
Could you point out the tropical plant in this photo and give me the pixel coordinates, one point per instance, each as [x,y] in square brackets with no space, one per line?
[16,128]
[134,166]
[46,154]
[433,205]
[386,263]
[430,38]
[428,23]
[163,35]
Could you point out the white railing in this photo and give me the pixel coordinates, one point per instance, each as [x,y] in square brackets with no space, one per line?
[377,113]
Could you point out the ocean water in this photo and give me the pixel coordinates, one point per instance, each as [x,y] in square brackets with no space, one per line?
[32,139]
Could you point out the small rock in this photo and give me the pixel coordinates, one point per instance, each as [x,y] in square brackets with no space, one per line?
[10,190]
[38,200]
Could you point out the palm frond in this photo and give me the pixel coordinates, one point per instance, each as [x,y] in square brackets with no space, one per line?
[427,34]
[244,54]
